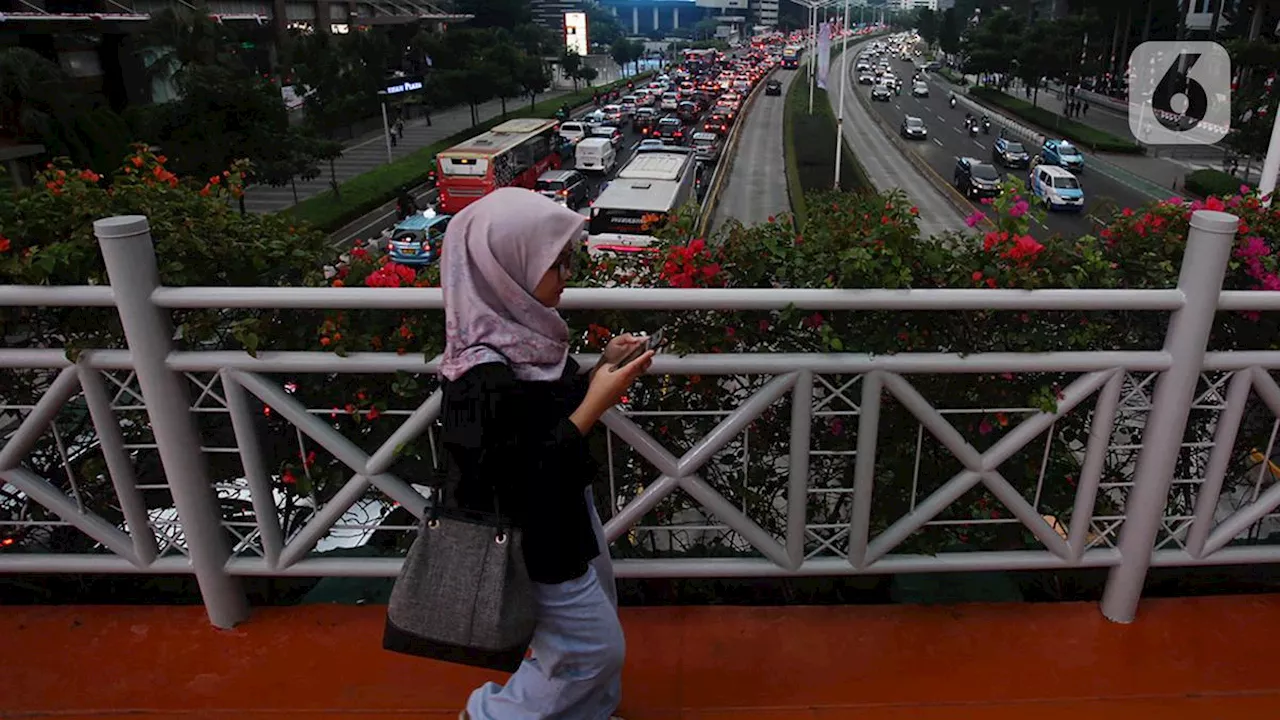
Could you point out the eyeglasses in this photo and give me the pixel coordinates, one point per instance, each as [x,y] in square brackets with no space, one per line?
[565,264]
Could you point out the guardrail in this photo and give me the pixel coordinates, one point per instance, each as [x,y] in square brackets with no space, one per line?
[802,506]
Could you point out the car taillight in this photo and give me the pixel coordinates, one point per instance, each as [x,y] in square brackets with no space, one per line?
[563,193]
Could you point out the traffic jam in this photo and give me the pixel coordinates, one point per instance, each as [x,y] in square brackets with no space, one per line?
[686,111]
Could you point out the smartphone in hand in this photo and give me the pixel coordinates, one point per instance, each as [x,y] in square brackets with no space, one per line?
[651,342]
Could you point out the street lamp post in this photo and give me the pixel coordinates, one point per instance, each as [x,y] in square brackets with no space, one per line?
[1271,165]
[844,80]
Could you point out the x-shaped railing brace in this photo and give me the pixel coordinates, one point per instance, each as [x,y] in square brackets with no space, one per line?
[368,469]
[979,467]
[683,472]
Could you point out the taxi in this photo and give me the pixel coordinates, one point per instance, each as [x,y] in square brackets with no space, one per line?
[417,239]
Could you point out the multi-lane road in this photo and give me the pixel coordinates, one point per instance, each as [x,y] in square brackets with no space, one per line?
[1105,187]
[756,188]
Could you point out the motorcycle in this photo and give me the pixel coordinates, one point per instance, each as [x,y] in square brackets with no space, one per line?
[953,103]
[973,130]
[986,126]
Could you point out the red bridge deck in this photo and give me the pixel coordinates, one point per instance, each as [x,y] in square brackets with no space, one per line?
[1201,659]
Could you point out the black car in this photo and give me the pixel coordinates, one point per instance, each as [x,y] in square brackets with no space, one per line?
[913,128]
[644,120]
[567,187]
[1009,153]
[687,111]
[773,87]
[975,178]
[670,130]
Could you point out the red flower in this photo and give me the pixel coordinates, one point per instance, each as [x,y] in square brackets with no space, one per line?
[373,413]
[288,478]
[4,244]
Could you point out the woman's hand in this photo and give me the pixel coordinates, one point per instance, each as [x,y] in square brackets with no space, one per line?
[607,387]
[618,348]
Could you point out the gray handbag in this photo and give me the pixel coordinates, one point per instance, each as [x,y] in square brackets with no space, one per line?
[463,594]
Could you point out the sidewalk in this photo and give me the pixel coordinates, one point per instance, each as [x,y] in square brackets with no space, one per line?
[1210,658]
[369,151]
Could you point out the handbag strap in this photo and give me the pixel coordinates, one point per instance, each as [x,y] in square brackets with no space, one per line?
[484,453]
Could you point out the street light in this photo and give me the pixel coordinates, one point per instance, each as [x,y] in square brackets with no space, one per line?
[813,6]
[844,80]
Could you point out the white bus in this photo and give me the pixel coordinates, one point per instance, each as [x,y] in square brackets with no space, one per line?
[641,198]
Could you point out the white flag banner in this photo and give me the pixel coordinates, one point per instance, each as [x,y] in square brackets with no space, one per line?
[824,54]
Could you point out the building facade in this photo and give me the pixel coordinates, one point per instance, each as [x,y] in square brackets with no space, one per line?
[550,13]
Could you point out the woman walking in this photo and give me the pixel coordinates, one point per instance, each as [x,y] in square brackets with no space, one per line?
[516,414]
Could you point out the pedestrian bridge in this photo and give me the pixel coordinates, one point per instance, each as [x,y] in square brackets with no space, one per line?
[211,463]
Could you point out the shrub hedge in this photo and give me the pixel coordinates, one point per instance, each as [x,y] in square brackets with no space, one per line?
[1082,134]
[810,139]
[954,77]
[1209,182]
[368,191]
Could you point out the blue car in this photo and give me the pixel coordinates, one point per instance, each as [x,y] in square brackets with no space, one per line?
[1057,188]
[417,239]
[1063,154]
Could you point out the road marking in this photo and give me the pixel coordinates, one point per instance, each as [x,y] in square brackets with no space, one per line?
[975,142]
[938,141]
[956,129]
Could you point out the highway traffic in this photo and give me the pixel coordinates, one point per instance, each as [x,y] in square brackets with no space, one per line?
[948,140]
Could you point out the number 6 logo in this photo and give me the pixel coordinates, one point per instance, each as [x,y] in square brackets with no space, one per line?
[1179,93]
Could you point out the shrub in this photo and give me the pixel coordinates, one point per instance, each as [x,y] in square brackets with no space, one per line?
[369,191]
[954,77]
[1052,123]
[809,144]
[1208,182]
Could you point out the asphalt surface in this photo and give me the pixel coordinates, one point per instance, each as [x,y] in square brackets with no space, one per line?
[757,184]
[885,165]
[948,140]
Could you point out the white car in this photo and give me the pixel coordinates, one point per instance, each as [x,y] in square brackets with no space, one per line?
[920,90]
[573,131]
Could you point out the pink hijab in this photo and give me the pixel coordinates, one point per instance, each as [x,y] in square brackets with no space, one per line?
[495,253]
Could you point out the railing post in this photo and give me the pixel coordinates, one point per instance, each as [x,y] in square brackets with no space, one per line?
[131,266]
[1204,262]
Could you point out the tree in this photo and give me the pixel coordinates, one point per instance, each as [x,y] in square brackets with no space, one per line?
[926,23]
[39,104]
[533,77]
[571,65]
[949,32]
[1034,58]
[603,27]
[986,45]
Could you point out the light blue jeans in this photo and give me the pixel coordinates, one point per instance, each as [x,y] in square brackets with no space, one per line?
[575,670]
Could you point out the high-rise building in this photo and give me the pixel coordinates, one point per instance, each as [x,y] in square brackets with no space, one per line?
[765,12]
[550,13]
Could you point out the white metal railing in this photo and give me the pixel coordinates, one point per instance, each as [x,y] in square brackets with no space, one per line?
[808,521]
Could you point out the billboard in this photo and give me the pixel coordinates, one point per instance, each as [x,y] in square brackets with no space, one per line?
[575,33]
[723,4]
[824,53]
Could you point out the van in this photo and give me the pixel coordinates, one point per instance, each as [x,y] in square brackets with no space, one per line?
[595,154]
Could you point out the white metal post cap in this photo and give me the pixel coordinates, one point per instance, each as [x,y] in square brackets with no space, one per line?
[1214,221]
[121,226]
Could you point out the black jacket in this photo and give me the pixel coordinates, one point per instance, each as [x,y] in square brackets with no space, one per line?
[514,436]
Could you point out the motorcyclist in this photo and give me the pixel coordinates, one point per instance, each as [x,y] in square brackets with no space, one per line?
[986,124]
[405,204]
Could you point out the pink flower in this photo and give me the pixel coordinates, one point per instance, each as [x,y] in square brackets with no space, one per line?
[984,427]
[1245,189]
[977,217]
[1019,209]
[1174,200]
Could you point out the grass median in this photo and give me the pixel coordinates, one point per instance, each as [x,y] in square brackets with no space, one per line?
[1085,135]
[368,191]
[809,144]
[1207,182]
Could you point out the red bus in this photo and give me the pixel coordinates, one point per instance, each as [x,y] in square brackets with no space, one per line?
[513,153]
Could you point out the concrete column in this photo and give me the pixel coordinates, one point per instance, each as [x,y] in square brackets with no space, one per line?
[656,24]
[635,21]
[675,18]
